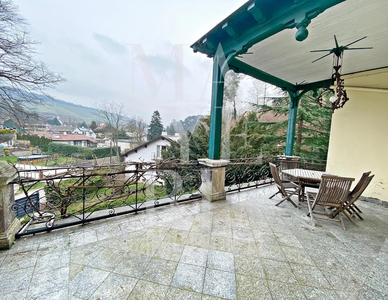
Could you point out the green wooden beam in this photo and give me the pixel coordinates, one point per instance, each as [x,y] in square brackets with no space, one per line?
[216,108]
[241,67]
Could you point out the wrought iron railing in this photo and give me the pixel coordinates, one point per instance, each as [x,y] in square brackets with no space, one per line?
[70,196]
[61,197]
[247,173]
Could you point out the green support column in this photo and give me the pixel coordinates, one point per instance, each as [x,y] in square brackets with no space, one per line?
[216,110]
[294,103]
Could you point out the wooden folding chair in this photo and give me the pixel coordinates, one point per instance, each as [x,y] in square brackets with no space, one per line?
[286,179]
[349,204]
[333,192]
[286,190]
[359,184]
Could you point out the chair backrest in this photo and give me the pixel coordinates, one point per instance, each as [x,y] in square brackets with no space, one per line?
[276,178]
[359,184]
[365,184]
[334,190]
[289,164]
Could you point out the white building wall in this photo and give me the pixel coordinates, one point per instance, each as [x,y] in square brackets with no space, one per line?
[147,154]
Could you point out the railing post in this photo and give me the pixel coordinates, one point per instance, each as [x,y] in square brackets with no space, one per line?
[9,224]
[83,195]
[213,179]
[137,180]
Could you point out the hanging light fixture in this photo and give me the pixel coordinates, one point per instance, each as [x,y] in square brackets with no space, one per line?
[340,96]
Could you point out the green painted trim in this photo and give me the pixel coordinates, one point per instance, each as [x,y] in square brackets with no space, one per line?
[315,85]
[256,21]
[294,103]
[216,108]
[241,67]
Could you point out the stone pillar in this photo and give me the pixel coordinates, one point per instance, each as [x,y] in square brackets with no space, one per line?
[9,224]
[213,179]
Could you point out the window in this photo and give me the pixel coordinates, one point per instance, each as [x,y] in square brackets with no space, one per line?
[159,149]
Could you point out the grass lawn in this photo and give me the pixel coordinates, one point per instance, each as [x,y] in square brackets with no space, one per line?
[11,159]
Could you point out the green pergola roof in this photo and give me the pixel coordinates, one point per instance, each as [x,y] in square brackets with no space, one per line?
[266,39]
[274,40]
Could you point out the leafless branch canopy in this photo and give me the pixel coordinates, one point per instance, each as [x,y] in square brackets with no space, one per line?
[21,76]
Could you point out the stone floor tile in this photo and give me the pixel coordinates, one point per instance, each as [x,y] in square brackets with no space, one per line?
[52,260]
[244,247]
[51,280]
[319,294]
[83,238]
[176,236]
[145,290]
[209,297]
[310,276]
[249,265]
[297,255]
[160,271]
[170,251]
[116,287]
[278,271]
[107,232]
[263,237]
[133,265]
[18,260]
[220,284]
[84,254]
[189,277]
[287,239]
[15,295]
[271,251]
[348,295]
[130,226]
[285,291]
[194,256]
[179,294]
[146,247]
[244,234]
[261,226]
[280,228]
[86,282]
[341,279]
[218,260]
[197,239]
[107,260]
[251,288]
[15,281]
[368,293]
[220,243]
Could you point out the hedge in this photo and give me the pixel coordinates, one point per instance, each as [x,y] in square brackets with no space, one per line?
[36,141]
[88,153]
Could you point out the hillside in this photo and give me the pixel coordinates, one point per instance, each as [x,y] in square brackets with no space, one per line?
[51,107]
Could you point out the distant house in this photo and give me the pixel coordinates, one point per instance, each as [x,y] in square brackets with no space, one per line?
[150,150]
[70,139]
[88,132]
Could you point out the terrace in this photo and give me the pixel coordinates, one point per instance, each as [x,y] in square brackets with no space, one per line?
[240,248]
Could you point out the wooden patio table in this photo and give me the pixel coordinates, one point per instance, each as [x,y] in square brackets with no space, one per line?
[304,177]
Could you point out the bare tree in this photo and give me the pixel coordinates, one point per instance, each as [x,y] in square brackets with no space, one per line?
[112,114]
[21,76]
[232,83]
[137,128]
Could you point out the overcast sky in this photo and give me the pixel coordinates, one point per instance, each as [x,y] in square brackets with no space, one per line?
[134,52]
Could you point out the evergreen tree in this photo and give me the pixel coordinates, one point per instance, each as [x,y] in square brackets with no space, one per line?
[155,128]
[93,125]
[312,127]
[83,124]
[246,137]
[170,130]
[197,141]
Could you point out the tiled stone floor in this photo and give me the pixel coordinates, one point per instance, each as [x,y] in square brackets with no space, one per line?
[241,248]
